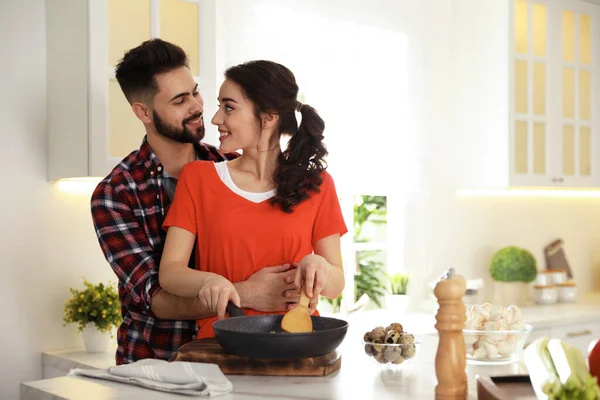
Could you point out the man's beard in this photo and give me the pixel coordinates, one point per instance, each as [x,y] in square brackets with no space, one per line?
[181,135]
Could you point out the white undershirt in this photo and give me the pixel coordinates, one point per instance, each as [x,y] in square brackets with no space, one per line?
[223,172]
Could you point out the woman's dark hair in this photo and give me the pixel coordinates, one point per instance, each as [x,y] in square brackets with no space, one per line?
[137,69]
[273,89]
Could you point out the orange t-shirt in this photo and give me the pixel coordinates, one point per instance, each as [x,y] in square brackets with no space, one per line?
[237,237]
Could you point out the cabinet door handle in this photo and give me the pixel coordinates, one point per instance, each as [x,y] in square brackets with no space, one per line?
[584,332]
[560,180]
[554,180]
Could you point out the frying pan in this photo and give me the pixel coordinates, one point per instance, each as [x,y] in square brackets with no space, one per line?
[261,336]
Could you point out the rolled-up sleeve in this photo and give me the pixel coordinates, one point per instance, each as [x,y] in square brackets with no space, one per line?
[126,247]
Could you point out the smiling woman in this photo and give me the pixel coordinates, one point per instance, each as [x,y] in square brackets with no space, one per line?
[356,65]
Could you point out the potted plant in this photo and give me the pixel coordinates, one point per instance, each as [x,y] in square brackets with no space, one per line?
[512,268]
[96,311]
[397,299]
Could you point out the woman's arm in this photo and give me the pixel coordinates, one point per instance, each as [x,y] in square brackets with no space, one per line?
[177,278]
[174,275]
[322,271]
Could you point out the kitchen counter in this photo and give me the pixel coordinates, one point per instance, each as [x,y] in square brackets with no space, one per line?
[585,309]
[359,375]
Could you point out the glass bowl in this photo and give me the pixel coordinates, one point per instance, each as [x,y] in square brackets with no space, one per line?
[495,347]
[391,355]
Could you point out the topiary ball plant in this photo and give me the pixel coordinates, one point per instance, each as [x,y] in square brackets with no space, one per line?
[513,264]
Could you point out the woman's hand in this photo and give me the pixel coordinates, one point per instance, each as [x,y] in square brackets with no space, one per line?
[216,293]
[312,275]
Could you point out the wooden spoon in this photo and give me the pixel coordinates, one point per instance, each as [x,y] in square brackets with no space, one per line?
[298,320]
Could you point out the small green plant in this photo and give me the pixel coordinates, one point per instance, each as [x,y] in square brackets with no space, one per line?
[513,264]
[368,208]
[398,283]
[97,304]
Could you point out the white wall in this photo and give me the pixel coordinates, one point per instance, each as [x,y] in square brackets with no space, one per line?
[47,242]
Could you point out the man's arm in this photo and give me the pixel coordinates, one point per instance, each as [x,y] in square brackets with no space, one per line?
[131,256]
[270,289]
[168,306]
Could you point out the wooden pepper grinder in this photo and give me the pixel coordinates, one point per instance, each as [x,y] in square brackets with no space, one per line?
[450,360]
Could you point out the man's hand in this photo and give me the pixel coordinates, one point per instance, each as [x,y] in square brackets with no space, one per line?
[270,290]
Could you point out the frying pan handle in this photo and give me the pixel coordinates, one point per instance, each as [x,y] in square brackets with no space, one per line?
[234,311]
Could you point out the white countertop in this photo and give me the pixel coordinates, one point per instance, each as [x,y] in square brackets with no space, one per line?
[358,376]
[585,309]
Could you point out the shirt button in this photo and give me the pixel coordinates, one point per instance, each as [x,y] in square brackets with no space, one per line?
[152,173]
[159,168]
[194,337]
[158,196]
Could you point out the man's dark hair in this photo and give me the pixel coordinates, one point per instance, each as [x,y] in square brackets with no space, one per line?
[138,68]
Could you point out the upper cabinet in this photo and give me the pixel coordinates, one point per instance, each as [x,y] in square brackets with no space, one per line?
[529,93]
[554,70]
[90,123]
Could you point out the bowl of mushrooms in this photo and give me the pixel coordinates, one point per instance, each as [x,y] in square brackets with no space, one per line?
[390,346]
[494,336]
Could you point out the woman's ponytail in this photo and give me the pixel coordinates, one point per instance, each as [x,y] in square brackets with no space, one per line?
[301,164]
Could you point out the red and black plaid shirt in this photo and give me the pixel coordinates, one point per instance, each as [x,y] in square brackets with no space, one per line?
[128,209]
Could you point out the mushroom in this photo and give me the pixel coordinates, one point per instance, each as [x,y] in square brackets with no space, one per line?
[490,349]
[470,340]
[507,347]
[514,313]
[470,350]
[479,353]
[480,310]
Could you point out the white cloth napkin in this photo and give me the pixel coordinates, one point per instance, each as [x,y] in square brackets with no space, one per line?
[191,378]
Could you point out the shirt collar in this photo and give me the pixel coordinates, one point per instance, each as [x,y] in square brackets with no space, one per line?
[153,164]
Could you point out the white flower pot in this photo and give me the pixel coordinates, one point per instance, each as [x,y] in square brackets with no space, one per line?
[510,293]
[397,303]
[94,340]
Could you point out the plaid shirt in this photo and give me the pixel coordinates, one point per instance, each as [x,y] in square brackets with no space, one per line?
[128,209]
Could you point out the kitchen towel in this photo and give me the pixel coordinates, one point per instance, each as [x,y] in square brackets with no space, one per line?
[197,379]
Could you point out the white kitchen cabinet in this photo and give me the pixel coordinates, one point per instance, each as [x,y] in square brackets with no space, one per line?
[578,335]
[527,93]
[538,333]
[90,124]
